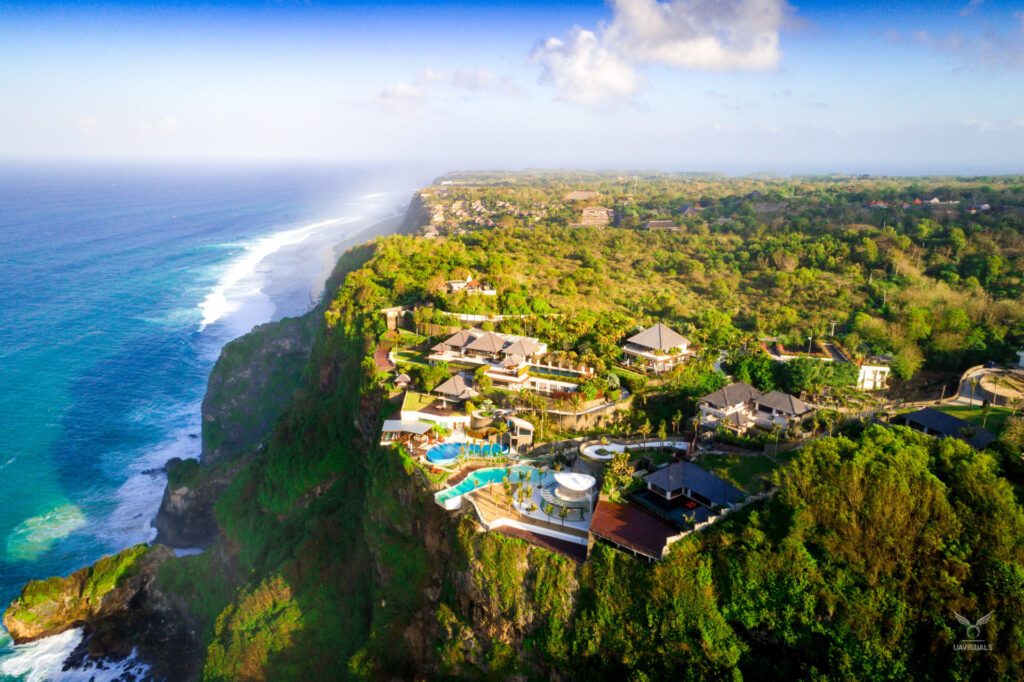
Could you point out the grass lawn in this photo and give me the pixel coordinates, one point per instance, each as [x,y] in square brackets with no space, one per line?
[746,472]
[411,357]
[975,415]
[657,456]
[417,401]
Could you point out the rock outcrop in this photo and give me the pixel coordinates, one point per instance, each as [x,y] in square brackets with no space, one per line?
[120,609]
[185,518]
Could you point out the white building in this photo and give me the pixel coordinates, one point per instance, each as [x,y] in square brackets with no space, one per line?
[657,347]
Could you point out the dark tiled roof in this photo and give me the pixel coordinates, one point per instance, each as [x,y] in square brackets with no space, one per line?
[688,475]
[733,394]
[658,337]
[523,347]
[783,402]
[488,343]
[456,388]
[940,423]
[457,340]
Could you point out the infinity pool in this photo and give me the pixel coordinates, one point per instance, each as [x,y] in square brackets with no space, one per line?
[446,453]
[481,478]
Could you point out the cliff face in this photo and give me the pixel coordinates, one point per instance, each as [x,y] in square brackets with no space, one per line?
[450,600]
[255,378]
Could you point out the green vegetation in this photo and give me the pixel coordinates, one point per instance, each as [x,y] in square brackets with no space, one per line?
[748,472]
[820,580]
[335,562]
[266,622]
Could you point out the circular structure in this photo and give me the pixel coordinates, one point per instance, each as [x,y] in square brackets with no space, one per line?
[603,452]
[573,487]
[1007,384]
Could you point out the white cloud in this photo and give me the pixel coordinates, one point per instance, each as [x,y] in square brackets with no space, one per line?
[480,80]
[404,96]
[584,71]
[591,67]
[700,34]
[990,48]
[400,97]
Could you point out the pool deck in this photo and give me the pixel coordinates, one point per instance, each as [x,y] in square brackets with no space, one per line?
[491,506]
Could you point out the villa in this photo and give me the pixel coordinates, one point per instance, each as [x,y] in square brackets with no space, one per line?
[512,362]
[470,286]
[779,409]
[659,348]
[684,480]
[740,406]
[595,216]
[732,407]
[936,423]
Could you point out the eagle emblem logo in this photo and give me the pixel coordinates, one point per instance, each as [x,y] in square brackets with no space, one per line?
[974,629]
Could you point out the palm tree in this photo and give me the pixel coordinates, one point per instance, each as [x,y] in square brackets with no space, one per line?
[562,513]
[974,386]
[776,431]
[502,429]
[645,430]
[576,402]
[662,435]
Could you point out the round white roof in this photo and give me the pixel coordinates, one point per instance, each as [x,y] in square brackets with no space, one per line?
[578,482]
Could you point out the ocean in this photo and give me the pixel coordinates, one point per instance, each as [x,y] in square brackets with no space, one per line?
[118,287]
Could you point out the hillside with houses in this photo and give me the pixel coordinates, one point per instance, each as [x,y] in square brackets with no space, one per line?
[621,426]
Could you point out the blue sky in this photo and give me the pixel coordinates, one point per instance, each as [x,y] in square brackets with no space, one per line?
[731,85]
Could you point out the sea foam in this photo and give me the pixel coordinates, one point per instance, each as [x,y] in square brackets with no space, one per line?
[34,536]
[241,281]
[43,661]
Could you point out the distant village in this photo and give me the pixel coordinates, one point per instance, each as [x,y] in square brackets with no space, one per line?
[450,212]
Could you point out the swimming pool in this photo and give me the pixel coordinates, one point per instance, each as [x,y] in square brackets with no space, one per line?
[446,453]
[452,497]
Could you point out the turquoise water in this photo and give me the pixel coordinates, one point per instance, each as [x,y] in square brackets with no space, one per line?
[118,287]
[446,453]
[484,477]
